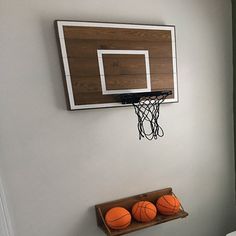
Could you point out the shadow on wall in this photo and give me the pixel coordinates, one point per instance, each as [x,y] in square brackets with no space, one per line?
[53,63]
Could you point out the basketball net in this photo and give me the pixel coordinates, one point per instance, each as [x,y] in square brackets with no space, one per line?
[148,111]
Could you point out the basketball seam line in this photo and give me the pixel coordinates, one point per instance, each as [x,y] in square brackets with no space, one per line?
[176,203]
[140,207]
[147,214]
[118,218]
[148,208]
[170,210]
[172,206]
[167,201]
[159,204]
[136,209]
[141,210]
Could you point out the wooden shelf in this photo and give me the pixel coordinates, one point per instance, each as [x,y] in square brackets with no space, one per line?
[128,202]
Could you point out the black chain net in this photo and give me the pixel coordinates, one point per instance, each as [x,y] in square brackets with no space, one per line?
[148,111]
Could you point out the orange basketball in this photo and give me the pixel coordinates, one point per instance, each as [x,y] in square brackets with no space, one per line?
[118,218]
[168,205]
[144,211]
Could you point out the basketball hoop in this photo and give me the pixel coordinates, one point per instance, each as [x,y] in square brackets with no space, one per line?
[147,109]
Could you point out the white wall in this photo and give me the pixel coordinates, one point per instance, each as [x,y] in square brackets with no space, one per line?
[56,165]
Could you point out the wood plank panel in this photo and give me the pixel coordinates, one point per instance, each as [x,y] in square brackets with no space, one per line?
[94,98]
[91,93]
[78,32]
[89,66]
[161,65]
[162,82]
[158,81]
[84,66]
[87,84]
[97,98]
[126,82]
[124,64]
[88,48]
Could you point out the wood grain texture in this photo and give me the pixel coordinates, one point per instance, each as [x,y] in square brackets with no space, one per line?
[124,71]
[88,48]
[121,82]
[124,64]
[127,203]
[74,32]
[90,93]
[113,66]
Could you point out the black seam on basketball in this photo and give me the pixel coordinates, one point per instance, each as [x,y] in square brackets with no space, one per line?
[146,213]
[149,208]
[170,210]
[120,226]
[138,205]
[168,202]
[163,206]
[136,209]
[141,210]
[148,204]
[118,218]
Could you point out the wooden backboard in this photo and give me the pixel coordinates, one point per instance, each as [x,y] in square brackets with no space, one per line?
[102,60]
